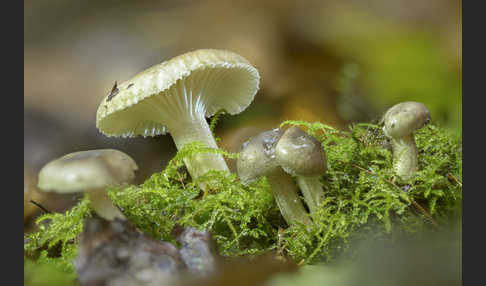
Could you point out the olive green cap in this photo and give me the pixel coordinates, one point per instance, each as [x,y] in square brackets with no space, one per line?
[404,118]
[257,156]
[300,154]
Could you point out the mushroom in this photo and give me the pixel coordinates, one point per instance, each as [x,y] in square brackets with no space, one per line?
[301,155]
[257,159]
[90,171]
[400,121]
[176,96]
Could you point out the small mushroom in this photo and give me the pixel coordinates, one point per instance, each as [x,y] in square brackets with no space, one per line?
[301,155]
[91,172]
[176,96]
[400,121]
[257,159]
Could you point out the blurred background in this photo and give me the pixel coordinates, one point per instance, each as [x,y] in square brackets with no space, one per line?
[332,61]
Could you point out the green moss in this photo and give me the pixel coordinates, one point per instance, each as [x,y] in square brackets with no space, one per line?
[362,195]
[242,219]
[55,244]
[363,198]
[42,274]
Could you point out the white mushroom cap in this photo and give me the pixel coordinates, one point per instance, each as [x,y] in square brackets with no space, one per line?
[165,96]
[86,170]
[404,118]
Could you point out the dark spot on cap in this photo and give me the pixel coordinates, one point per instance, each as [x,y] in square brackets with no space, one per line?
[114,91]
[130,85]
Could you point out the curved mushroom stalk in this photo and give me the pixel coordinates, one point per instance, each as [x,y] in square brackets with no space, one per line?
[199,164]
[287,197]
[302,155]
[405,156]
[312,191]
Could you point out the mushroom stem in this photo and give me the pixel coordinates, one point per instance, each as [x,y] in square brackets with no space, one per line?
[405,161]
[286,195]
[312,190]
[103,206]
[199,164]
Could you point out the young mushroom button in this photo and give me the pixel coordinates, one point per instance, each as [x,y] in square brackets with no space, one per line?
[400,121]
[91,172]
[257,159]
[176,96]
[302,155]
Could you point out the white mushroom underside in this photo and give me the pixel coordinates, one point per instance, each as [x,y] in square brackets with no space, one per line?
[189,100]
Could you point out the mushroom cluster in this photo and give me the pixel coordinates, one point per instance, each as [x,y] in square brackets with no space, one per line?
[278,155]
[176,96]
[257,158]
